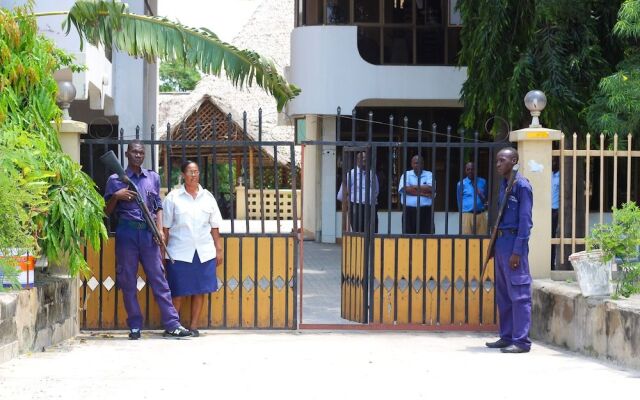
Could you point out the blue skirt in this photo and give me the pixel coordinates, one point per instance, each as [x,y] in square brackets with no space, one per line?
[186,279]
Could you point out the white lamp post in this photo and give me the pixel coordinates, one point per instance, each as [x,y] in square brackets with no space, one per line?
[66,94]
[535,101]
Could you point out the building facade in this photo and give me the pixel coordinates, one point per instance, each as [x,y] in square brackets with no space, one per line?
[386,57]
[116,91]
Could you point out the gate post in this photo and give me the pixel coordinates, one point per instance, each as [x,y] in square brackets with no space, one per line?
[534,148]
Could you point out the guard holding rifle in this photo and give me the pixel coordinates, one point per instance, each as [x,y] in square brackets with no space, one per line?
[511,252]
[135,241]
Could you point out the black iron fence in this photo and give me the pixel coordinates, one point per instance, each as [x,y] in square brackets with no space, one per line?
[258,280]
[416,206]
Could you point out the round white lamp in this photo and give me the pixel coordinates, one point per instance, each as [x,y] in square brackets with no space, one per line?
[535,101]
[66,94]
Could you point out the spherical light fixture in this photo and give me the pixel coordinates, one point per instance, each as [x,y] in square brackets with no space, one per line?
[66,94]
[535,101]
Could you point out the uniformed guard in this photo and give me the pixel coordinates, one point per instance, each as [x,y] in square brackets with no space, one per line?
[513,279]
[135,244]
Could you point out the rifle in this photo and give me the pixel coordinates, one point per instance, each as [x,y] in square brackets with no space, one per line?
[494,232]
[110,160]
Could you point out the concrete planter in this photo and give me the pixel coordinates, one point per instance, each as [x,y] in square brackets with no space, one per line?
[594,275]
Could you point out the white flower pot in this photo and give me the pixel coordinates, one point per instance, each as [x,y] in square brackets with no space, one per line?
[594,275]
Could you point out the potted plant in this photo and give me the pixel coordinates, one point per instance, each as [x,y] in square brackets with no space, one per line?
[617,241]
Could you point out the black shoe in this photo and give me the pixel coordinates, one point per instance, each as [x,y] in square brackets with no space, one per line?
[195,332]
[498,344]
[514,349]
[134,334]
[179,332]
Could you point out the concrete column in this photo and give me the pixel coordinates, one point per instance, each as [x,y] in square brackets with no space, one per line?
[328,182]
[69,132]
[534,148]
[241,212]
[310,181]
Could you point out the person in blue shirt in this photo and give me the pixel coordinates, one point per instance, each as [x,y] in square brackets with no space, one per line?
[472,197]
[555,206]
[416,193]
[511,259]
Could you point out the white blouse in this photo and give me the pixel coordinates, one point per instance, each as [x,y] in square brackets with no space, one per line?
[190,222]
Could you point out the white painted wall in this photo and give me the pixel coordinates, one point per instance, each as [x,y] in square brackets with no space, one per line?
[135,87]
[93,84]
[439,218]
[127,88]
[328,181]
[326,65]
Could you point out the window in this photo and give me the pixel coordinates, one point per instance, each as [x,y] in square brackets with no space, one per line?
[393,32]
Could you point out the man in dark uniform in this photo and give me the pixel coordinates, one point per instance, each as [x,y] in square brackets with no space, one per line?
[513,280]
[135,243]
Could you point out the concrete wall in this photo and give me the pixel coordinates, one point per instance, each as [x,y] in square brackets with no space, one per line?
[33,319]
[598,327]
[327,66]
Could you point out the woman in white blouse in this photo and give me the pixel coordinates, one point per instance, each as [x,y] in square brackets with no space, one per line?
[191,227]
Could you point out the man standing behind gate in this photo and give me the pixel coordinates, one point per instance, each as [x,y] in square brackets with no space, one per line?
[472,196]
[356,185]
[416,191]
[134,243]
[513,280]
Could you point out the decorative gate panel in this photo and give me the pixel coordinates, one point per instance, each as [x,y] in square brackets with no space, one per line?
[257,288]
[431,281]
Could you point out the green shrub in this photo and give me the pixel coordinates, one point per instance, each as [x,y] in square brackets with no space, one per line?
[621,239]
[48,204]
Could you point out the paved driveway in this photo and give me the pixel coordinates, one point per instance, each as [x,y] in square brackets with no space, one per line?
[308,365]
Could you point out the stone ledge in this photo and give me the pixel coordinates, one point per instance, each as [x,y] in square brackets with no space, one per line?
[36,318]
[595,326]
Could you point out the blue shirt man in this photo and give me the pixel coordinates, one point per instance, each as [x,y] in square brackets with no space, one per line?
[472,196]
[416,193]
[555,190]
[555,206]
[135,243]
[512,276]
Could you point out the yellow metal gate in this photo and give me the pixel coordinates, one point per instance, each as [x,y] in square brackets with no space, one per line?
[257,288]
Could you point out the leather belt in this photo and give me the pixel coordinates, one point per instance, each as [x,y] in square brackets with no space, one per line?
[502,232]
[129,223]
[473,212]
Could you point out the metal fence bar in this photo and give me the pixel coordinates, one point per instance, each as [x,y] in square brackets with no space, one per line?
[615,170]
[446,184]
[562,185]
[389,175]
[245,178]
[601,178]
[574,192]
[260,169]
[629,143]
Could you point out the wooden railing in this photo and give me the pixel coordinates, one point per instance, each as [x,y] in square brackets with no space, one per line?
[278,204]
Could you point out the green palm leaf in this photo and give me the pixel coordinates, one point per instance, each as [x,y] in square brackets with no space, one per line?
[109,23]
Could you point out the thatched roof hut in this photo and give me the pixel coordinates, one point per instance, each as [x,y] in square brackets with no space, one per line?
[205,110]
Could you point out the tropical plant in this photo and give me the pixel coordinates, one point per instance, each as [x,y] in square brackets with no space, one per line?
[23,195]
[621,239]
[55,206]
[178,77]
[616,106]
[156,38]
[48,203]
[512,46]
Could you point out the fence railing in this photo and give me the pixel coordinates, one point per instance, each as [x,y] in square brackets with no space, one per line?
[595,175]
